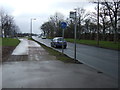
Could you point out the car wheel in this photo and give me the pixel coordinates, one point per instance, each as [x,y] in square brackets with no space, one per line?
[55,46]
[51,45]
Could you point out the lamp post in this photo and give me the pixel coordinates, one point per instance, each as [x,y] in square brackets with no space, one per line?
[31,26]
[74,15]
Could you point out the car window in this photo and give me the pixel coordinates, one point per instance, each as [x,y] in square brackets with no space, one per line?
[61,39]
[58,39]
[54,40]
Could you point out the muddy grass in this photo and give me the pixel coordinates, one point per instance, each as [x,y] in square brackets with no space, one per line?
[6,52]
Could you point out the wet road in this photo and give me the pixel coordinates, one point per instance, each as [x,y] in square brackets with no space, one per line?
[42,70]
[101,59]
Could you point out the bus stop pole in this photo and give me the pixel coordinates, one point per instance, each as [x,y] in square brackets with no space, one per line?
[75,37]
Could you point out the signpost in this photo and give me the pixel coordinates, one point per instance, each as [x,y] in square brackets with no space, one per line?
[73,15]
[63,26]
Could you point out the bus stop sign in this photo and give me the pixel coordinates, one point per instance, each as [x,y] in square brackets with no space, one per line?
[63,25]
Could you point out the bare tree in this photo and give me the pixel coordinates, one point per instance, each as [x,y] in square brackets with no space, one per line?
[104,20]
[2,21]
[57,19]
[8,26]
[113,10]
[52,27]
[82,15]
[47,29]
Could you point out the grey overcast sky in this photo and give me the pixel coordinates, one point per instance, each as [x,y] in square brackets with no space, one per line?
[24,10]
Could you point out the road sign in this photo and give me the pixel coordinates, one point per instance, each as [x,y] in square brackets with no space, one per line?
[63,25]
[72,14]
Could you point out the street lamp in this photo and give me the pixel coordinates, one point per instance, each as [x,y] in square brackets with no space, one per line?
[73,15]
[31,25]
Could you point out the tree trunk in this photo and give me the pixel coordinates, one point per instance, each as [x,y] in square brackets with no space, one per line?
[115,34]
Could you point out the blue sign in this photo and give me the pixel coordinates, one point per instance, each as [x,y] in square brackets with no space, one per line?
[63,25]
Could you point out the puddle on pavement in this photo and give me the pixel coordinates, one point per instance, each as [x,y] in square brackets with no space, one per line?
[18,58]
[39,54]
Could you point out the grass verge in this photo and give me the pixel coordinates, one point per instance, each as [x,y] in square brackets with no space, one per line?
[0,41]
[10,42]
[30,39]
[8,45]
[59,56]
[102,44]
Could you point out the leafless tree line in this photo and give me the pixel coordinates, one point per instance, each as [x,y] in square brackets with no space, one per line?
[8,28]
[109,23]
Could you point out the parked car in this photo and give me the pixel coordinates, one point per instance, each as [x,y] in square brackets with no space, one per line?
[58,42]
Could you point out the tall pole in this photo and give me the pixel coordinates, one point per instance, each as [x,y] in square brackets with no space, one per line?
[75,38]
[63,41]
[98,25]
[63,26]
[31,27]
[74,16]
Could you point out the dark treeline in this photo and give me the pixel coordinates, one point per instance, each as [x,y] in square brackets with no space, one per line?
[109,19]
[25,34]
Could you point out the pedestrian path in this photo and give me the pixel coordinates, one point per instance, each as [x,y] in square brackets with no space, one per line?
[29,50]
[37,53]
[22,48]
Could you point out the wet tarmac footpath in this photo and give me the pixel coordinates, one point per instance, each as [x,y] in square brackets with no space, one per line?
[38,69]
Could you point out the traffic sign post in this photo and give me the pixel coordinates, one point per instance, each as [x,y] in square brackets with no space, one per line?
[63,41]
[63,26]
